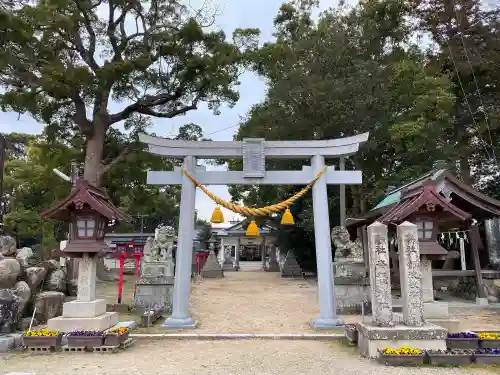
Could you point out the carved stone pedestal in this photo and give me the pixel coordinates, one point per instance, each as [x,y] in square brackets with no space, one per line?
[371,338]
[352,287]
[154,290]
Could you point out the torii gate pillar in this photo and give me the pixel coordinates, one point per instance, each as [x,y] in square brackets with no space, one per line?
[327,306]
[253,152]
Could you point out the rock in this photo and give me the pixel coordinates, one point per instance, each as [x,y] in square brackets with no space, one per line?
[23,291]
[24,323]
[35,276]
[27,257]
[9,315]
[9,272]
[48,305]
[7,246]
[56,281]
[492,299]
[72,288]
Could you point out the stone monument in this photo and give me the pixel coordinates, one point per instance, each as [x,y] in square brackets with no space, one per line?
[226,259]
[291,268]
[154,289]
[352,286]
[386,328]
[211,268]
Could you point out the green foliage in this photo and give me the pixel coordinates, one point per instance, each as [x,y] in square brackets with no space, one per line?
[206,230]
[63,61]
[350,72]
[31,186]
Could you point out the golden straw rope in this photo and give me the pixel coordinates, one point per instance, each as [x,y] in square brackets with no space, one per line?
[248,211]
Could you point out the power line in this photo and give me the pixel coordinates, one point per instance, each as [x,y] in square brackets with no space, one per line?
[488,127]
[484,144]
[221,130]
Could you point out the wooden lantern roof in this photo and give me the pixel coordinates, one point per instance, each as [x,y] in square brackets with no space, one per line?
[85,195]
[86,199]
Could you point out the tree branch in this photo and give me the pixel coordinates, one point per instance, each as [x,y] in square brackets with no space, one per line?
[170,114]
[127,150]
[144,106]
[87,55]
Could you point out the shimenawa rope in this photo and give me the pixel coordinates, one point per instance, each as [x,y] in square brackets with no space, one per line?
[249,211]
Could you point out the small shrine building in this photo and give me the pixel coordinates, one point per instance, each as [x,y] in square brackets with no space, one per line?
[450,217]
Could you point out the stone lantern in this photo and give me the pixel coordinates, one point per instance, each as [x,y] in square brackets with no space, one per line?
[90,212]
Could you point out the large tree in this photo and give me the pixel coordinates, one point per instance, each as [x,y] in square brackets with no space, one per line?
[350,72]
[65,62]
[31,186]
[466,47]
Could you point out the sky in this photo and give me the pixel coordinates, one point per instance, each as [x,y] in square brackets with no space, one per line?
[231,14]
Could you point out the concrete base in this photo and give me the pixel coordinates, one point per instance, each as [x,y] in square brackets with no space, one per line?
[6,343]
[273,267]
[228,267]
[372,338]
[176,323]
[435,310]
[79,309]
[98,323]
[322,323]
[482,301]
[212,274]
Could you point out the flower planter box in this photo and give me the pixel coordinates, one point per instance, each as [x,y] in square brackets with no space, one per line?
[85,341]
[351,333]
[115,340]
[462,343]
[449,359]
[487,359]
[42,341]
[489,344]
[401,360]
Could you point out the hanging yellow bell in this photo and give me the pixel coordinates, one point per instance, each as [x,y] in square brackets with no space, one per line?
[287,218]
[217,217]
[252,230]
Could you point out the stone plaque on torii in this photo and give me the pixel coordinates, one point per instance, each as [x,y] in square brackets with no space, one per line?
[254,151]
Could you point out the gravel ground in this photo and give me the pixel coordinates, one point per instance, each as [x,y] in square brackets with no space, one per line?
[217,357]
[262,302]
[254,302]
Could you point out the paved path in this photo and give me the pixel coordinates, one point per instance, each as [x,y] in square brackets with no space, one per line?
[219,357]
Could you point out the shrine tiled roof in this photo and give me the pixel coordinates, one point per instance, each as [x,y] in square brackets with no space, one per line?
[414,199]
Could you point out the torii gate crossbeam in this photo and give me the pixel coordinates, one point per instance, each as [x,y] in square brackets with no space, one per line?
[254,151]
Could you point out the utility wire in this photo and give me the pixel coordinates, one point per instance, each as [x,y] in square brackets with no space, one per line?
[488,127]
[483,143]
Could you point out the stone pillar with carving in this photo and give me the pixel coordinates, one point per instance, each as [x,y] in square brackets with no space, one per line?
[410,275]
[380,275]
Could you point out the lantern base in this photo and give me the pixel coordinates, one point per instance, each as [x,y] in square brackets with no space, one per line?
[179,323]
[80,309]
[98,323]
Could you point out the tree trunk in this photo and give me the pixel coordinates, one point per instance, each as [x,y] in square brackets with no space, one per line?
[465,170]
[92,171]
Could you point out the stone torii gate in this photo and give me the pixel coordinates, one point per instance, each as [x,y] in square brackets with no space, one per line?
[254,151]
